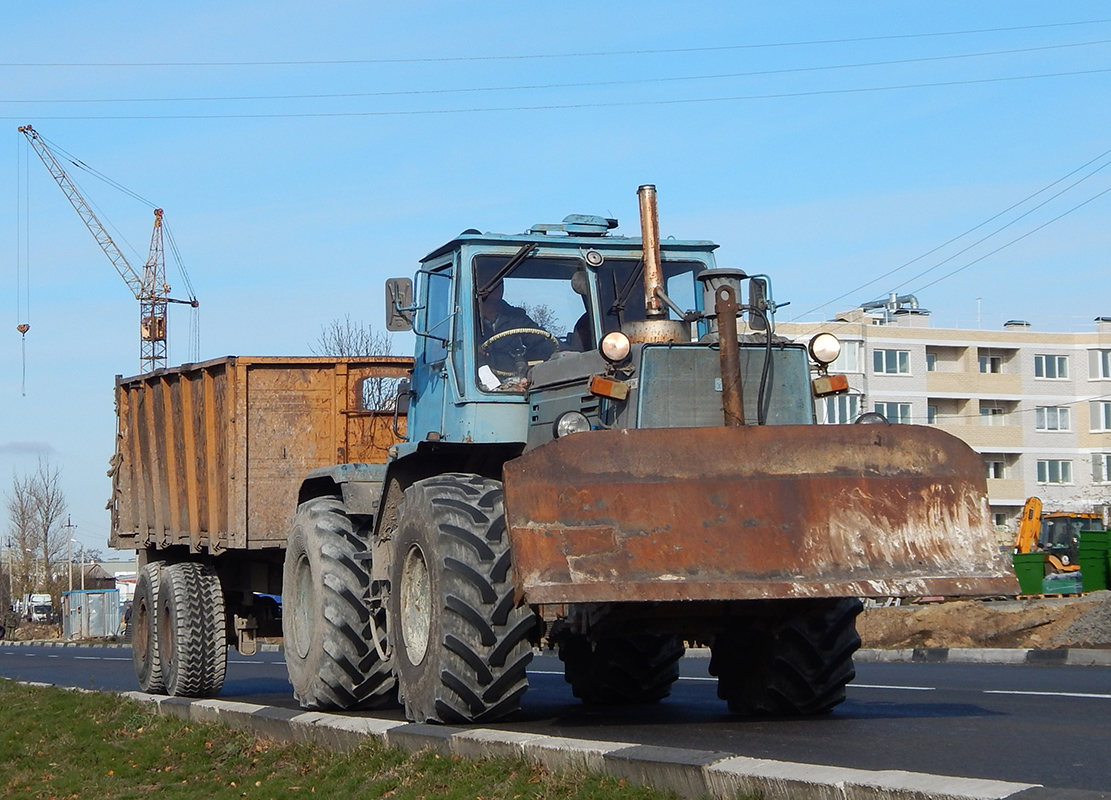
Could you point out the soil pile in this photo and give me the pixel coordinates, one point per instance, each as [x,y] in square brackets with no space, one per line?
[1082,621]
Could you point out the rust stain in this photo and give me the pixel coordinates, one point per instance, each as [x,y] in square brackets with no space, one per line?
[754,512]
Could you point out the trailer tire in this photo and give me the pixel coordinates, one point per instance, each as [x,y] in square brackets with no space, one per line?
[461,644]
[799,667]
[192,635]
[144,637]
[622,669]
[326,623]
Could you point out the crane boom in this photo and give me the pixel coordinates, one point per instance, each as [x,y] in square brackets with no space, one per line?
[148,287]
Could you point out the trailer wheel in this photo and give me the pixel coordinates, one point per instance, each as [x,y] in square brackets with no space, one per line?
[624,669]
[326,624]
[800,667]
[461,644]
[144,636]
[192,638]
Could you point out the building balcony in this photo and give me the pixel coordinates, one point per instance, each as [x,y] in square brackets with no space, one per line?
[1006,491]
[986,438]
[974,383]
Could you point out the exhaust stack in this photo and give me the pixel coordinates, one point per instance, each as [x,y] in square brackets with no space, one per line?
[655,327]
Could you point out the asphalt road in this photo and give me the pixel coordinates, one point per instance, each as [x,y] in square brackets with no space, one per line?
[1046,725]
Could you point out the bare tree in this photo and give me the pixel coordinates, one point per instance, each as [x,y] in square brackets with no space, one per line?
[545,317]
[346,338]
[36,508]
[21,526]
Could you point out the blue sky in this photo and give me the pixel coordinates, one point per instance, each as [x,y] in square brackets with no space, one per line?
[304,156]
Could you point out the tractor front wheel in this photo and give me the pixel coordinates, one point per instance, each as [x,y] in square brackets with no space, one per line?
[799,666]
[622,669]
[461,644]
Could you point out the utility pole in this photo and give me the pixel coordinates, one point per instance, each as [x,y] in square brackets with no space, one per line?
[68,526]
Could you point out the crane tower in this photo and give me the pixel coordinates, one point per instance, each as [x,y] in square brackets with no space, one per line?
[148,286]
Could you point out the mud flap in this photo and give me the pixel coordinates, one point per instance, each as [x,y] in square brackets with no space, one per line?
[752,513]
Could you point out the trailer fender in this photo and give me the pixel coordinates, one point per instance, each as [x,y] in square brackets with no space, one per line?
[358,485]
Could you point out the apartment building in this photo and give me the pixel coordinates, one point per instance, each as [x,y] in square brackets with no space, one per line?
[1036,405]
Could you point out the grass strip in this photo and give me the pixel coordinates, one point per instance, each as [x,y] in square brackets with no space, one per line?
[57,743]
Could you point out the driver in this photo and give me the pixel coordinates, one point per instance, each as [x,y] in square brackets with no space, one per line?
[510,355]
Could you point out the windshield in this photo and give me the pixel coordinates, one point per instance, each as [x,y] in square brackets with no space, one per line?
[524,316]
[621,289]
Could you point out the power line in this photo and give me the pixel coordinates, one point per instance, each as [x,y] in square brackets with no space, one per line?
[1002,228]
[575,106]
[539,56]
[943,245]
[580,85]
[1015,240]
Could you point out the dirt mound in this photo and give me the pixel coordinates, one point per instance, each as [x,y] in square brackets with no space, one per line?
[1082,621]
[34,632]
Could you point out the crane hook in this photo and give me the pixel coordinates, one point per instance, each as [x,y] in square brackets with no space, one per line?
[23,328]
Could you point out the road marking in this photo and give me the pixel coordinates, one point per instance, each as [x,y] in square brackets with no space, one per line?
[883,686]
[1050,694]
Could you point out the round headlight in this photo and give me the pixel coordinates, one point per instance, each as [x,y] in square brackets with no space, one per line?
[615,346]
[570,422]
[824,348]
[872,418]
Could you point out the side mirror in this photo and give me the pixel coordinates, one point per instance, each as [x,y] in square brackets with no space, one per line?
[758,298]
[399,304]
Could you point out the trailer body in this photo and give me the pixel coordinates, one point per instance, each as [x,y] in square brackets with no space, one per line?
[210,459]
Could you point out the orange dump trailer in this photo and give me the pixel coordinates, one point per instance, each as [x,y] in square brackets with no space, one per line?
[210,457]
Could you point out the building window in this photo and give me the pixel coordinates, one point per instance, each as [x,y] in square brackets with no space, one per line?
[995,470]
[891,362]
[1051,418]
[1101,467]
[895,412]
[849,358]
[1001,519]
[1055,471]
[931,415]
[931,362]
[841,409]
[1101,416]
[992,364]
[1051,367]
[1099,364]
[992,415]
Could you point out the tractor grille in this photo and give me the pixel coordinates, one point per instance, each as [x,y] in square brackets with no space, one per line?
[680,386]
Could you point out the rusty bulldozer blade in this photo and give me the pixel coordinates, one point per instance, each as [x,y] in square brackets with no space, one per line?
[752,513]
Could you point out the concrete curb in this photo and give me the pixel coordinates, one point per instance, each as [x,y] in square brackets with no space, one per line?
[1070,656]
[690,773]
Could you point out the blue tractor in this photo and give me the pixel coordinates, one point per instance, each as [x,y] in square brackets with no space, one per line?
[610,452]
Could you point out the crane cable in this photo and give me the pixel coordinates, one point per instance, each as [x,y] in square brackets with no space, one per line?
[23,255]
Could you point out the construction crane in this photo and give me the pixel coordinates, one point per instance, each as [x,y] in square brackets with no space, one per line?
[149,286]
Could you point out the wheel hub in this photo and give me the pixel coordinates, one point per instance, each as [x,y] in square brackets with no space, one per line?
[416,605]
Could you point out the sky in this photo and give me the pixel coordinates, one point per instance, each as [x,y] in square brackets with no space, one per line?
[304,156]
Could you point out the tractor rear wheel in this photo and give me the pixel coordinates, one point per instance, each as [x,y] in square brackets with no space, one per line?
[144,629]
[623,669]
[192,636]
[461,644]
[327,626]
[798,667]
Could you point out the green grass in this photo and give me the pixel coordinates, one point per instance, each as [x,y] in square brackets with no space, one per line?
[62,744]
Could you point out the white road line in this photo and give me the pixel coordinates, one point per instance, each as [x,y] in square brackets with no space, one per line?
[1050,694]
[882,686]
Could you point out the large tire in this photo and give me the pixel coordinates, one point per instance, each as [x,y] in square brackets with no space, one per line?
[461,644]
[144,633]
[799,667]
[326,624]
[623,669]
[192,635]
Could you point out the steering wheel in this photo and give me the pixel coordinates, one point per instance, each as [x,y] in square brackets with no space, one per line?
[539,332]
